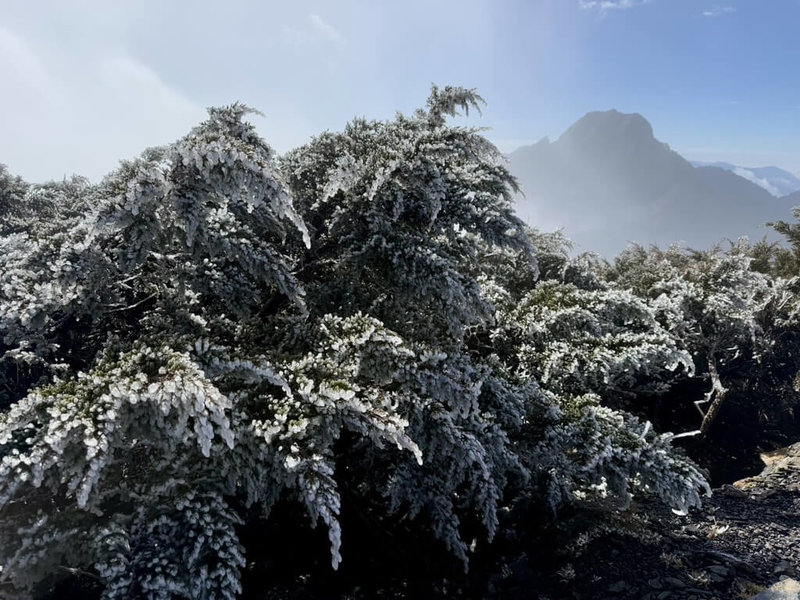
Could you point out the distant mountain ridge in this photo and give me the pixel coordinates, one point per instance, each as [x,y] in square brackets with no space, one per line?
[792,199]
[608,181]
[775,180]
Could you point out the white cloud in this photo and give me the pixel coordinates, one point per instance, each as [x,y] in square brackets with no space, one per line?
[325,29]
[19,65]
[296,37]
[606,5]
[759,181]
[718,11]
[121,74]
[317,30]
[64,114]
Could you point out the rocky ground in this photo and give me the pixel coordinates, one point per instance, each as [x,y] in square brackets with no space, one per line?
[745,538]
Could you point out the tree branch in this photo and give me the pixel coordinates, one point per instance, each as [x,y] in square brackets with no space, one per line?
[132,306]
[715,395]
[80,573]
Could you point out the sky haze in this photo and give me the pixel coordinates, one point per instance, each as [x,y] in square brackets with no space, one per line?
[88,82]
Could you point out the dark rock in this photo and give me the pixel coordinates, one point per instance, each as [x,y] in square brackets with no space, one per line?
[719,569]
[656,583]
[674,582]
[617,587]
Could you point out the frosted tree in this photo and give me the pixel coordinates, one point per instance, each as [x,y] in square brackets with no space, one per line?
[778,259]
[397,210]
[785,262]
[157,402]
[732,318]
[12,194]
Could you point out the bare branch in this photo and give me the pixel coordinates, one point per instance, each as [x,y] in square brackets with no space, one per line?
[717,392]
[80,573]
[132,306]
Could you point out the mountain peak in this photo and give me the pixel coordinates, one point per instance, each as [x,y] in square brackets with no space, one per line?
[608,180]
[608,126]
[600,131]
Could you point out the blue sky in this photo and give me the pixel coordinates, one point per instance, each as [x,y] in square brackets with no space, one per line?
[89,82]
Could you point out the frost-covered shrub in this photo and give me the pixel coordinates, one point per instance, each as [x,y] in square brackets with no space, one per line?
[779,260]
[398,211]
[212,333]
[576,333]
[12,195]
[739,324]
[177,255]
[120,437]
[598,354]
[597,454]
[605,341]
